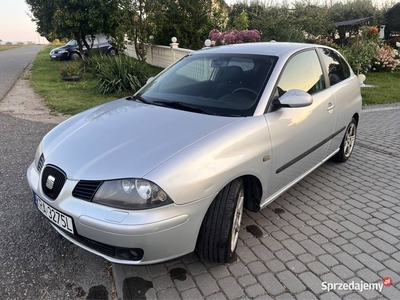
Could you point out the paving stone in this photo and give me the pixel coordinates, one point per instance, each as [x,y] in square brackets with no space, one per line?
[326,230]
[298,237]
[294,247]
[306,258]
[252,242]
[186,284]
[231,288]
[296,266]
[219,271]
[362,244]
[247,280]
[339,241]
[342,272]
[285,296]
[329,296]
[197,268]
[380,256]
[370,262]
[271,243]
[291,282]
[280,235]
[284,255]
[351,226]
[307,295]
[386,237]
[307,230]
[393,264]
[162,282]
[391,292]
[257,268]
[290,230]
[275,266]
[168,294]
[191,294]
[312,247]
[157,270]
[382,245]
[216,296]
[270,284]
[238,269]
[351,249]
[317,268]
[312,282]
[328,260]
[190,258]
[206,284]
[245,254]
[319,239]
[254,291]
[262,252]
[353,296]
[331,248]
[349,261]
[348,235]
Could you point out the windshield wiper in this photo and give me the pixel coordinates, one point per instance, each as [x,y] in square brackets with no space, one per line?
[140,98]
[185,106]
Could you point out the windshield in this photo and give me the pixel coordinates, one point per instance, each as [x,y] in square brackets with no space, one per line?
[221,84]
[72,43]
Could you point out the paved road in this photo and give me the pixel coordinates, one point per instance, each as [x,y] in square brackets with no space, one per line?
[339,224]
[36,263]
[12,63]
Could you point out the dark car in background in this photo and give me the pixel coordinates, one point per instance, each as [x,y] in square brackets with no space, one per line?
[71,49]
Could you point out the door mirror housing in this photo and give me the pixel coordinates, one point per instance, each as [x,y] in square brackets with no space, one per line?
[150,79]
[293,98]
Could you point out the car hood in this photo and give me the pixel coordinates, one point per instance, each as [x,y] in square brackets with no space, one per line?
[124,139]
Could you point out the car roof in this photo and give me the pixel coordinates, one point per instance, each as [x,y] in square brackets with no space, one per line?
[264,48]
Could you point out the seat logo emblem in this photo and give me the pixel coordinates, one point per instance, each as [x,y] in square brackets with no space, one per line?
[50,182]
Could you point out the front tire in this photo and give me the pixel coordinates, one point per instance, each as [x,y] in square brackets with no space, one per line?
[74,56]
[219,232]
[347,145]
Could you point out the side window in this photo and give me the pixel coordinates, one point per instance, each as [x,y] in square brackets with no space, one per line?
[303,72]
[336,66]
[102,39]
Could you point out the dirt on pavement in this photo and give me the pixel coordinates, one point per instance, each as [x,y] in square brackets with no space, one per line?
[22,102]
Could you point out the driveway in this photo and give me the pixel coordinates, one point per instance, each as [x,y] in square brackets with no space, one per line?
[341,224]
[36,263]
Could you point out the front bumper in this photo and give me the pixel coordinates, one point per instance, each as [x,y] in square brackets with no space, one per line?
[162,233]
[59,56]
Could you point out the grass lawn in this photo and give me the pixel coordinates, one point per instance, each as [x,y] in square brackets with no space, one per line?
[64,96]
[387,90]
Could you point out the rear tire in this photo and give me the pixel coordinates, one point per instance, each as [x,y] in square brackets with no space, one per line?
[112,52]
[347,145]
[219,232]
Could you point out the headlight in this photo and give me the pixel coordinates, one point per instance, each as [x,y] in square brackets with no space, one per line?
[131,193]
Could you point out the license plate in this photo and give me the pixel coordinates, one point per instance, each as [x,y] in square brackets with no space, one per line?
[54,215]
[53,56]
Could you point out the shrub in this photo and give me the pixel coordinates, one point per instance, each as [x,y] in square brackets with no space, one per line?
[119,74]
[71,69]
[234,36]
[385,60]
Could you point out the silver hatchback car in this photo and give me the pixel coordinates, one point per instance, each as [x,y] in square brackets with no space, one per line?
[168,171]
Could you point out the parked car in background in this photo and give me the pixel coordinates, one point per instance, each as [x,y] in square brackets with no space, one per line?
[70,50]
[168,171]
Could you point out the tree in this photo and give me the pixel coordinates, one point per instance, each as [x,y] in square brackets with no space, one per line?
[392,20]
[241,22]
[77,18]
[188,20]
[313,20]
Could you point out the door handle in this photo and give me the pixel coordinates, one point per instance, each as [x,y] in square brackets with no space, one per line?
[331,106]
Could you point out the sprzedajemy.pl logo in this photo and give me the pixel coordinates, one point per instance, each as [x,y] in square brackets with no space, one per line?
[356,286]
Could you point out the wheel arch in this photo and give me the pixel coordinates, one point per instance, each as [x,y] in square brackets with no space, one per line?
[253,192]
[356,117]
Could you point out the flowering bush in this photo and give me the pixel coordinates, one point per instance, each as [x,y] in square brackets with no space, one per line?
[234,36]
[386,59]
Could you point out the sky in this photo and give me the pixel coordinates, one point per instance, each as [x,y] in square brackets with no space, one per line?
[16,26]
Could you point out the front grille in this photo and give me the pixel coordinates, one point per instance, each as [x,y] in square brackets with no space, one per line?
[53,180]
[39,166]
[86,189]
[134,254]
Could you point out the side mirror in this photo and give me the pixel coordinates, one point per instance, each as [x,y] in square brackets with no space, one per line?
[294,98]
[150,79]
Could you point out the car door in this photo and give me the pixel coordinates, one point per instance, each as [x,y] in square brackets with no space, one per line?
[299,135]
